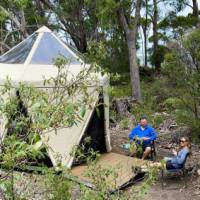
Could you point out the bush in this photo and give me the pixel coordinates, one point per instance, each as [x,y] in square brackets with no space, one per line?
[182,70]
[119,91]
[124,123]
[58,185]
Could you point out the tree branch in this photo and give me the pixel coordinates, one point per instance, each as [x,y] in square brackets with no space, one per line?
[137,16]
[21,26]
[187,4]
[123,20]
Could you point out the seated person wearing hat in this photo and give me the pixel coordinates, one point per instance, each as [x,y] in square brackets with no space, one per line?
[143,134]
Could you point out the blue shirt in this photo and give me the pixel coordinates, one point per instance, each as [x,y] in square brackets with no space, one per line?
[147,132]
[178,160]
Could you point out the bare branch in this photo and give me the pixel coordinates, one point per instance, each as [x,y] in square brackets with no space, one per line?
[20,25]
[187,4]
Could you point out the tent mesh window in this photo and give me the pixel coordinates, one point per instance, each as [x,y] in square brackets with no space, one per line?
[49,48]
[19,53]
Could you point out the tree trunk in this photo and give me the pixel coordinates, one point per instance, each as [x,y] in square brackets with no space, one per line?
[196,12]
[134,69]
[145,48]
[40,8]
[73,25]
[195,9]
[145,34]
[131,34]
[155,31]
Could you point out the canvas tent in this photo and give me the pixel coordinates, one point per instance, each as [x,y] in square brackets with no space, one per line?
[32,60]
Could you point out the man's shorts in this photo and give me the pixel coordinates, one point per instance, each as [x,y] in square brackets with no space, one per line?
[144,146]
[141,151]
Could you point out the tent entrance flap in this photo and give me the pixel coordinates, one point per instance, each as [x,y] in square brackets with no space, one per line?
[95,131]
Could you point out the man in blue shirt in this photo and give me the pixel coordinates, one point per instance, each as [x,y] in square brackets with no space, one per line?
[144,134]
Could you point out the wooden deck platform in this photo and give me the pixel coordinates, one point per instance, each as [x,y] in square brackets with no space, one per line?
[122,166]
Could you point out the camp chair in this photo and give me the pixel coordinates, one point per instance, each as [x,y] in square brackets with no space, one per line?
[152,155]
[181,172]
[153,150]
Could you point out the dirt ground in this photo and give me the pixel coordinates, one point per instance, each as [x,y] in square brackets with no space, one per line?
[174,188]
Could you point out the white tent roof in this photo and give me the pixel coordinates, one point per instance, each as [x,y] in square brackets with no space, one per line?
[32,60]
[39,48]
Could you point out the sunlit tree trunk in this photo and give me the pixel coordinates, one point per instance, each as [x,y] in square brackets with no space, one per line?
[131,35]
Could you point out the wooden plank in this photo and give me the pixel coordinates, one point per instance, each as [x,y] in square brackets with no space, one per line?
[121,164]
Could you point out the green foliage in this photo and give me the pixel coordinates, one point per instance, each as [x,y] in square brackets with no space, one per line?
[82,151]
[105,9]
[119,91]
[162,37]
[110,53]
[178,23]
[15,154]
[3,16]
[153,106]
[58,185]
[20,3]
[136,149]
[182,69]
[114,57]
[171,103]
[124,123]
[96,52]
[157,57]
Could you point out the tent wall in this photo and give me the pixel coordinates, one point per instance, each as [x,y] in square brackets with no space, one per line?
[3,129]
[106,113]
[60,142]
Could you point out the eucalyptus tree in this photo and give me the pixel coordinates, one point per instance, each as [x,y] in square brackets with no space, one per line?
[19,19]
[192,4]
[130,28]
[145,23]
[76,18]
[182,67]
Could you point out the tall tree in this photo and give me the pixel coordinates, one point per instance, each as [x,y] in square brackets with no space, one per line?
[77,18]
[18,20]
[195,9]
[145,24]
[130,28]
[155,28]
[193,4]
[15,13]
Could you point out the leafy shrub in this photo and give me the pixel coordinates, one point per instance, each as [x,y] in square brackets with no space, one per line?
[124,123]
[181,67]
[57,185]
[119,91]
